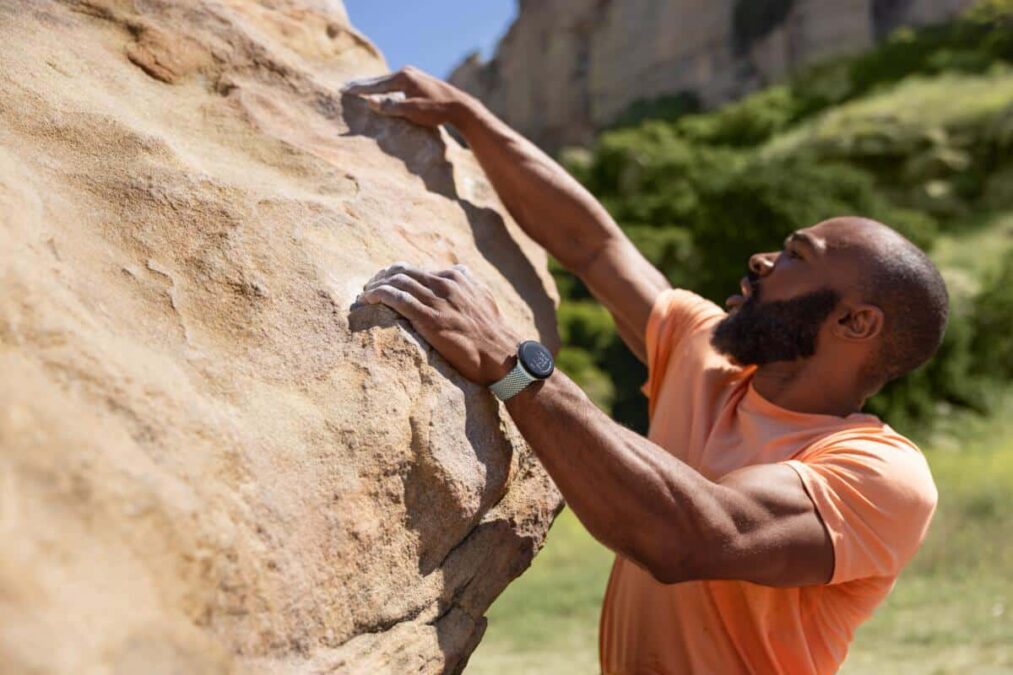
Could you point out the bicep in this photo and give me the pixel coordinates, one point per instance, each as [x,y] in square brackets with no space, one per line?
[775,536]
[627,284]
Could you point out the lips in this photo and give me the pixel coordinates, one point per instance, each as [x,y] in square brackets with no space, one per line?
[740,298]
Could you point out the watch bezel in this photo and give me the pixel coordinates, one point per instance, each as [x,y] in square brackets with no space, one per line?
[526,359]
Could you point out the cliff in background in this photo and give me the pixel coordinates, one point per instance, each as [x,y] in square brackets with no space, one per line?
[207,463]
[568,68]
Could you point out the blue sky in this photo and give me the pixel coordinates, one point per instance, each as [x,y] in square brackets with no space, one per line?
[432,34]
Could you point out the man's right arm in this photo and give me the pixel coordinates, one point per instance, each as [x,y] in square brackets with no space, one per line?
[549,204]
[561,215]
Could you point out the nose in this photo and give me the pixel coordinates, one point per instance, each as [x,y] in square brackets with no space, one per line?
[761,264]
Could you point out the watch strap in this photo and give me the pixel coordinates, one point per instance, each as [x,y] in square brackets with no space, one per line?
[514,382]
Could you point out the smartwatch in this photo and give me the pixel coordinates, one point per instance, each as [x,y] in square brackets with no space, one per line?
[534,363]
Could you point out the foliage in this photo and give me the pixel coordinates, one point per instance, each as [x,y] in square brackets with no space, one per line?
[749,122]
[917,133]
[934,144]
[586,328]
[993,324]
[659,107]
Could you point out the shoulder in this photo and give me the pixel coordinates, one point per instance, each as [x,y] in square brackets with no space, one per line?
[874,448]
[677,336]
[879,460]
[677,310]
[874,490]
[676,315]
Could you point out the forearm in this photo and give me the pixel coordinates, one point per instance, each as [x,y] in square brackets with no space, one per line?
[631,495]
[547,202]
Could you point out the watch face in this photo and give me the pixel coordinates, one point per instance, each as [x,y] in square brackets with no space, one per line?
[536,359]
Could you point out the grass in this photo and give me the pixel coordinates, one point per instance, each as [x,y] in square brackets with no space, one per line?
[951,611]
[547,621]
[947,104]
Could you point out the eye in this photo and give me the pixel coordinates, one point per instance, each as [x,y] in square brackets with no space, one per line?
[792,253]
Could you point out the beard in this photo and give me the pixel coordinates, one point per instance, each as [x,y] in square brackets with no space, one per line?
[781,330]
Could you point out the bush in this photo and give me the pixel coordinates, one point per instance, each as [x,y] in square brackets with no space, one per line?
[749,122]
[993,325]
[974,362]
[944,382]
[699,195]
[580,366]
[932,144]
[669,107]
[697,214]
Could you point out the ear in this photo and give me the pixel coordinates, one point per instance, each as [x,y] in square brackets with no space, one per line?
[859,322]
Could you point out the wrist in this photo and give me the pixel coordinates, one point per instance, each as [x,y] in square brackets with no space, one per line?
[533,364]
[466,113]
[529,393]
[499,368]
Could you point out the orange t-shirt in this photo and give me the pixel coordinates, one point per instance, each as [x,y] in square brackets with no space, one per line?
[871,486]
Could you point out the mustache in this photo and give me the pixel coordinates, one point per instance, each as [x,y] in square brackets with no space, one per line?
[753,280]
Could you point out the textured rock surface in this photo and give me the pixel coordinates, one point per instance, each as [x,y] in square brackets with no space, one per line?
[206,464]
[569,67]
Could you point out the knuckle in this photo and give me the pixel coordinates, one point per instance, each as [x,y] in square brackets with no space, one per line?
[441,284]
[453,288]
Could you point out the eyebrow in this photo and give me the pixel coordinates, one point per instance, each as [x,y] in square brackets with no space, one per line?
[803,238]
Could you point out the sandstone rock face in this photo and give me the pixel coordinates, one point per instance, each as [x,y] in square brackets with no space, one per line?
[567,68]
[207,463]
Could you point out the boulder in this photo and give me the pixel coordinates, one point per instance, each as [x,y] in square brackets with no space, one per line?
[208,462]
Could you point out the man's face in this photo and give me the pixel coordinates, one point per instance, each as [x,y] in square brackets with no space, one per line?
[785,299]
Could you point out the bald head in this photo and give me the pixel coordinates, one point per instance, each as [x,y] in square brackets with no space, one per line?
[896,276]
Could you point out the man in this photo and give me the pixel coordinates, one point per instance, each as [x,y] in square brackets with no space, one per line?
[764,516]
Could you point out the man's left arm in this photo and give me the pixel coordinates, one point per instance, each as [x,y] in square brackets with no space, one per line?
[756,524]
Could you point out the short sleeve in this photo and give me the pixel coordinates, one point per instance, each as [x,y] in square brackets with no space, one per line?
[876,499]
[676,314]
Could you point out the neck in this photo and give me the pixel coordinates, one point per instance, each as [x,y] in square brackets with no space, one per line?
[805,388]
